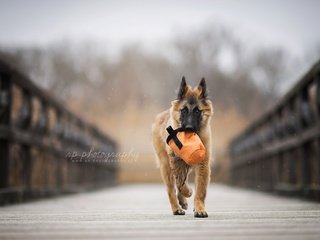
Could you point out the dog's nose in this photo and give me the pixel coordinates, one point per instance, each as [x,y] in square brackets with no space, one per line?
[189,127]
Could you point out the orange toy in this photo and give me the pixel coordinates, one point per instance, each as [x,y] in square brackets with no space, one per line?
[187,145]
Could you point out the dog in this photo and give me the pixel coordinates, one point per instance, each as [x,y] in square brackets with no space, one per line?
[191,109]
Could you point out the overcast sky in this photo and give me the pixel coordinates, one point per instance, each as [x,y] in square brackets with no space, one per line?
[289,23]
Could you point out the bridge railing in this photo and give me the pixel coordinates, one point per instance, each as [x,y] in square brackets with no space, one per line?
[280,151]
[44,148]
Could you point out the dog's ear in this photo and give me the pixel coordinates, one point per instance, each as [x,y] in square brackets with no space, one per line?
[183,88]
[202,87]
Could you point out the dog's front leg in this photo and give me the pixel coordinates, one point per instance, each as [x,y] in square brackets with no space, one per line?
[202,178]
[168,178]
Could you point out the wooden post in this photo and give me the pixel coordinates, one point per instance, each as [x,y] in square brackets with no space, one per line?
[317,140]
[280,169]
[304,149]
[43,128]
[5,121]
[59,174]
[25,116]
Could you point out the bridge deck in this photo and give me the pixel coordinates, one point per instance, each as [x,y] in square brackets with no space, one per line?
[142,211]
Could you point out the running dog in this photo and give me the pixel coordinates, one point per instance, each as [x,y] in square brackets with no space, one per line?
[191,109]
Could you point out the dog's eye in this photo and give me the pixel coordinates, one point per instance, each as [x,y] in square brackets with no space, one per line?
[197,111]
[184,110]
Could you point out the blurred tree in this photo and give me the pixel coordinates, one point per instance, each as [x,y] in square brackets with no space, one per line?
[238,75]
[270,69]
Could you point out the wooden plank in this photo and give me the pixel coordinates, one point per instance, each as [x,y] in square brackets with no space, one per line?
[143,212]
[278,146]
[44,143]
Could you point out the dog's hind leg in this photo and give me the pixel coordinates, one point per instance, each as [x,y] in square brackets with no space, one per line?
[169,180]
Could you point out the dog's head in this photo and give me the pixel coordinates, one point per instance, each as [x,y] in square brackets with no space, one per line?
[192,109]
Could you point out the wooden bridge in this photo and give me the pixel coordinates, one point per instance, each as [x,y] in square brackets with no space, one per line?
[142,212]
[44,150]
[280,152]
[43,145]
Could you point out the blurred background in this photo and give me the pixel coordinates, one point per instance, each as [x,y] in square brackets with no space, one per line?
[119,63]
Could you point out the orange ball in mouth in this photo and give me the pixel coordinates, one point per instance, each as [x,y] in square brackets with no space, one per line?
[187,145]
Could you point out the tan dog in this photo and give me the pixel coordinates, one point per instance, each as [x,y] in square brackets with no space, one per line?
[191,109]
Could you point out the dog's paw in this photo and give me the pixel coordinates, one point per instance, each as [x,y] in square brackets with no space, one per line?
[186,191]
[179,212]
[184,206]
[200,214]
[182,201]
